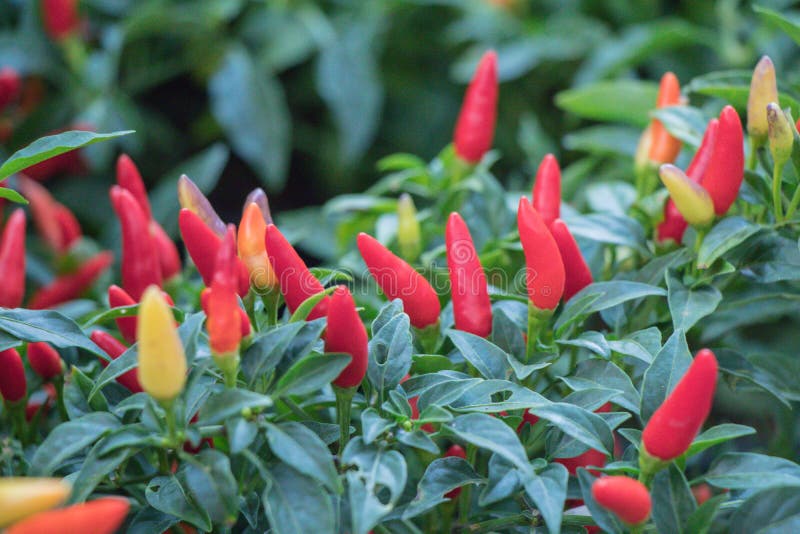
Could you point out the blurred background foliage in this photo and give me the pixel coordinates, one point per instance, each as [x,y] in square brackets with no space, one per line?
[303,97]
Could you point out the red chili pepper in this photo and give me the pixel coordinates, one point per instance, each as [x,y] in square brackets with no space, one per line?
[140,265]
[169,259]
[114,348]
[71,286]
[61,18]
[346,333]
[32,409]
[118,297]
[296,281]
[68,225]
[674,225]
[190,197]
[725,171]
[224,318]
[544,267]
[626,497]
[55,222]
[258,197]
[676,422]
[702,492]
[664,148]
[547,190]
[528,418]
[202,245]
[398,280]
[9,86]
[245,320]
[13,385]
[102,516]
[45,360]
[455,451]
[129,177]
[12,261]
[472,308]
[577,273]
[475,126]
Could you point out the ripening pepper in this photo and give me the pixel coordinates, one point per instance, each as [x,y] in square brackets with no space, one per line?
[475,126]
[675,423]
[345,333]
[641,158]
[140,265]
[162,362]
[191,198]
[409,240]
[13,385]
[763,90]
[725,170]
[101,516]
[202,244]
[626,497]
[577,274]
[398,280]
[663,147]
[21,497]
[780,134]
[9,86]
[55,223]
[12,260]
[71,286]
[61,18]
[545,276]
[114,349]
[547,190]
[472,308]
[258,197]
[224,319]
[455,451]
[690,198]
[246,328]
[45,360]
[252,249]
[296,281]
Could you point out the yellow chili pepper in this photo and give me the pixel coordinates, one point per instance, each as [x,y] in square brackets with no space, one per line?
[781,134]
[21,497]
[252,249]
[162,362]
[408,232]
[763,90]
[690,198]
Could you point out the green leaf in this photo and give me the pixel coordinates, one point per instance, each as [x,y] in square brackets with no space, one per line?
[603,295]
[390,348]
[773,511]
[311,373]
[300,448]
[673,502]
[668,367]
[716,435]
[701,521]
[583,425]
[489,359]
[373,425]
[302,311]
[96,467]
[70,438]
[45,325]
[727,234]
[774,18]
[267,351]
[250,106]
[689,305]
[604,140]
[626,101]
[166,494]
[212,485]
[297,504]
[548,491]
[748,471]
[229,403]
[605,375]
[9,194]
[51,146]
[442,476]
[684,122]
[734,87]
[611,229]
[492,434]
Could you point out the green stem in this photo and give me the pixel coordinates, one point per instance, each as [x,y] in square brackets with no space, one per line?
[18,424]
[249,302]
[536,321]
[793,204]
[172,431]
[344,402]
[58,383]
[752,157]
[698,242]
[465,499]
[272,301]
[777,197]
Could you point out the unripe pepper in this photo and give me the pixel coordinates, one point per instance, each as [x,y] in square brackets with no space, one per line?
[12,260]
[398,280]
[114,349]
[577,274]
[476,121]
[61,18]
[663,147]
[690,198]
[763,90]
[676,422]
[296,281]
[224,318]
[544,267]
[202,244]
[455,451]
[408,231]
[547,190]
[191,198]
[725,171]
[162,362]
[9,86]
[13,385]
[258,197]
[140,265]
[45,360]
[780,134]
[624,496]
[472,308]
[345,333]
[101,516]
[252,249]
[71,286]
[21,497]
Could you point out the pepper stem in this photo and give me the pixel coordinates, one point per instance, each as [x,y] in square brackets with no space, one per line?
[272,301]
[172,432]
[536,321]
[229,365]
[58,383]
[793,204]
[344,402]
[777,196]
